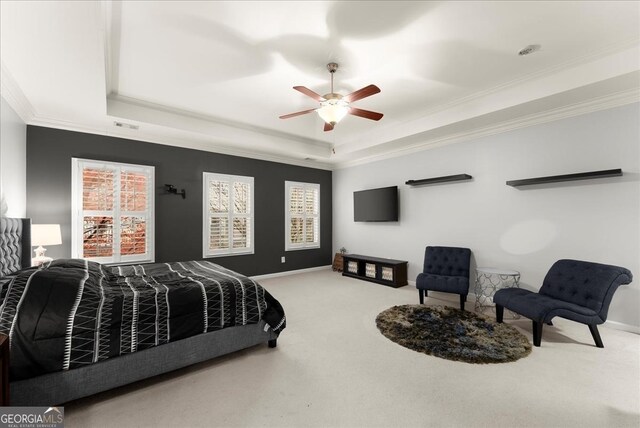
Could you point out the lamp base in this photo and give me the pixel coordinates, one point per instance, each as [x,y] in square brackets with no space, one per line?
[37,261]
[40,252]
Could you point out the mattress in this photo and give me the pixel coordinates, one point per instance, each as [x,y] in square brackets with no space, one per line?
[71,313]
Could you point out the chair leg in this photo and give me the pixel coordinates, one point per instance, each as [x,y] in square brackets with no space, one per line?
[421,293]
[537,332]
[463,298]
[499,313]
[596,335]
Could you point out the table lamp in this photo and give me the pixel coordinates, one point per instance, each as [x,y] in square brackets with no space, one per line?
[44,234]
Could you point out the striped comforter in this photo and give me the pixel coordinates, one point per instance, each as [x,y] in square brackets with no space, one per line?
[70,313]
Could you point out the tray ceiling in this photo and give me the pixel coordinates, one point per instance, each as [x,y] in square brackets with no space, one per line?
[216,75]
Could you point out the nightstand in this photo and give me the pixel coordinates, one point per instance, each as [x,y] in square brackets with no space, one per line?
[4,370]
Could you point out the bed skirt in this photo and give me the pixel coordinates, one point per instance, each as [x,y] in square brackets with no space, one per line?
[60,387]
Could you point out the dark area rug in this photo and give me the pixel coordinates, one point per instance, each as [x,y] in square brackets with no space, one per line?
[453,334]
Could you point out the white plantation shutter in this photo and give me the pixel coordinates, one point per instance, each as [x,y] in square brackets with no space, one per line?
[218,215]
[312,215]
[219,233]
[112,211]
[228,215]
[302,212]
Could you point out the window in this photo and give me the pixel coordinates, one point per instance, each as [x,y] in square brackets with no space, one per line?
[302,215]
[228,215]
[112,211]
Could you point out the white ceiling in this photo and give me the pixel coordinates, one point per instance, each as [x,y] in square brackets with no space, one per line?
[216,75]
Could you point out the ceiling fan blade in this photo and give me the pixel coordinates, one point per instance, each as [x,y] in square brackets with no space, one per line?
[328,127]
[367,91]
[367,114]
[308,92]
[298,113]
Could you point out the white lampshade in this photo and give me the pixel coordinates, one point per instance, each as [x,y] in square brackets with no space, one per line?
[333,110]
[45,234]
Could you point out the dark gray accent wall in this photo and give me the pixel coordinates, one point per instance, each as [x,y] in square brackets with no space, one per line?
[178,221]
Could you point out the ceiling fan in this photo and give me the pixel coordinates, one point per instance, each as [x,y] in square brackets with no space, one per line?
[333,106]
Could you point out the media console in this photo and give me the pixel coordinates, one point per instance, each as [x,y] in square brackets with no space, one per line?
[392,273]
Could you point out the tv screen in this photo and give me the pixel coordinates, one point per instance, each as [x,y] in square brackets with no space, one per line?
[376,204]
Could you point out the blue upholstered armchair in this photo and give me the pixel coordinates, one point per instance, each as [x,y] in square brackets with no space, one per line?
[445,269]
[572,289]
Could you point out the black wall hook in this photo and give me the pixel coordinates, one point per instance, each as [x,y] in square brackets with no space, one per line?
[172,189]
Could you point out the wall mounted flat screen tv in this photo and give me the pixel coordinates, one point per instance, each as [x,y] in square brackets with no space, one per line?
[376,204]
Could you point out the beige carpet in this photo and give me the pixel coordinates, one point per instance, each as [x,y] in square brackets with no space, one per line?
[332,368]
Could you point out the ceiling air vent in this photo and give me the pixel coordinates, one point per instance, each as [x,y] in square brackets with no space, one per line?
[126,125]
[528,50]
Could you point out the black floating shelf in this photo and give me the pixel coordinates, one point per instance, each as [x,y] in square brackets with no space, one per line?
[445,179]
[566,177]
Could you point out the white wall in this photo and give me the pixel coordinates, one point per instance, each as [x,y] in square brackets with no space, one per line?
[526,229]
[13,161]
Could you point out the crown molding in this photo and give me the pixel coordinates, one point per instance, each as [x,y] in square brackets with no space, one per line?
[215,120]
[201,143]
[625,55]
[14,96]
[593,105]
[544,73]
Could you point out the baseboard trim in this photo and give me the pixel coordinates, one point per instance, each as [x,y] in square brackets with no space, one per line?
[471,298]
[622,326]
[289,272]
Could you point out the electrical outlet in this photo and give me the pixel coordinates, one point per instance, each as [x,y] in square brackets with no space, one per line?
[282,259]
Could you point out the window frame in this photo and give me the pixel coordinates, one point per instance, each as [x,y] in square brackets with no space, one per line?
[207,177]
[78,213]
[288,246]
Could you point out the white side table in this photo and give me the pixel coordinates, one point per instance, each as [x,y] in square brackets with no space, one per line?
[488,281]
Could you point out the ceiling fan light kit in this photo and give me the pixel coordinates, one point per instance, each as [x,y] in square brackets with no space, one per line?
[334,109]
[333,106]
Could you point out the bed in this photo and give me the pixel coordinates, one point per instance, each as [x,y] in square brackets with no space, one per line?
[77,328]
